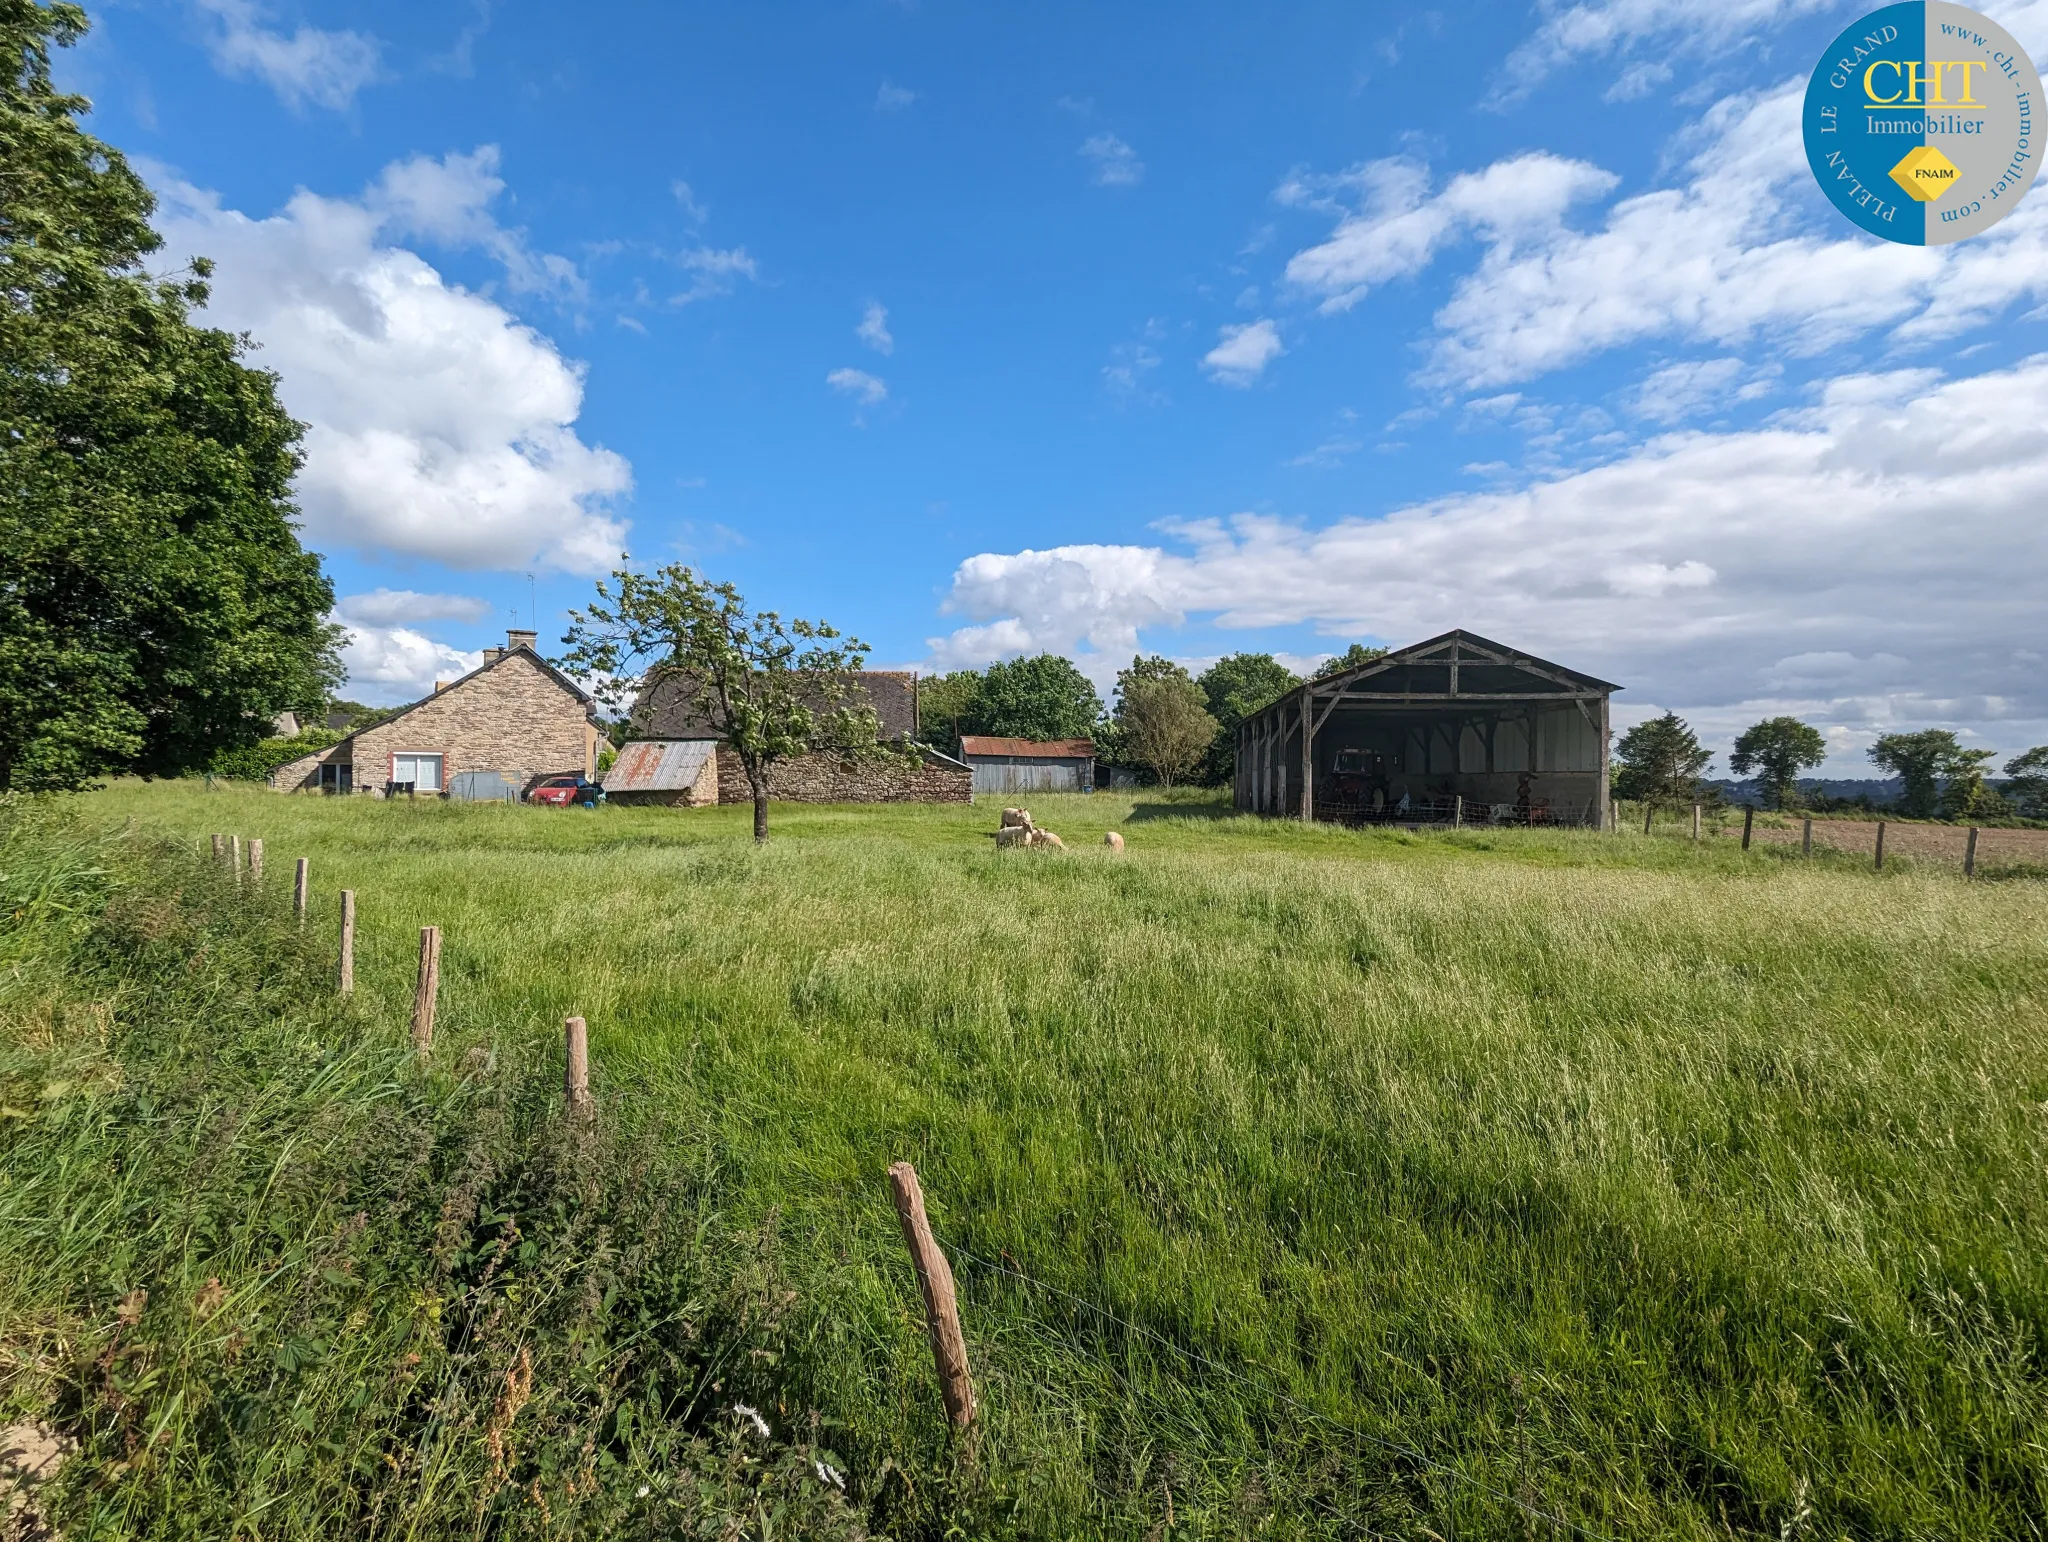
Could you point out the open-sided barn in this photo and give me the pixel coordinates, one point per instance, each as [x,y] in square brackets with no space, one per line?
[1453,728]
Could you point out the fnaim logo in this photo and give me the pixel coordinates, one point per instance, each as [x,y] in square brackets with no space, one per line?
[1920,123]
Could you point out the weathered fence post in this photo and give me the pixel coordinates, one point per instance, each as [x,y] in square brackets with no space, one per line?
[1649,813]
[576,1073]
[1880,845]
[256,860]
[1695,821]
[941,1306]
[348,941]
[1748,819]
[1613,817]
[1970,855]
[1458,811]
[220,847]
[428,988]
[300,874]
[235,855]
[1806,840]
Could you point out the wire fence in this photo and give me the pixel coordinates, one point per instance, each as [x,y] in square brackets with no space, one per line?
[1457,1479]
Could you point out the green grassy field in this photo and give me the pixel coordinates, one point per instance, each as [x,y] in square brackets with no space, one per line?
[1667,1189]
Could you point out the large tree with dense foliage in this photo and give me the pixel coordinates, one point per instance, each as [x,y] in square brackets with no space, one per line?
[1162,719]
[1925,759]
[1351,658]
[945,705]
[156,607]
[1777,750]
[1042,697]
[769,689]
[1234,687]
[1660,761]
[2028,789]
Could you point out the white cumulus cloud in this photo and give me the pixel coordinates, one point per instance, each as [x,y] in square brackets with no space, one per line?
[438,424]
[311,65]
[1741,251]
[1618,29]
[1242,353]
[1731,575]
[392,664]
[391,607]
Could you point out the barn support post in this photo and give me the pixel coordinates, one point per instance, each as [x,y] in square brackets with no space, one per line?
[1308,765]
[1606,791]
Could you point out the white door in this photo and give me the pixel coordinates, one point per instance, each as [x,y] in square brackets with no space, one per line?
[423,771]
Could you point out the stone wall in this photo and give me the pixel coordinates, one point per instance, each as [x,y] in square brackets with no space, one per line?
[834,779]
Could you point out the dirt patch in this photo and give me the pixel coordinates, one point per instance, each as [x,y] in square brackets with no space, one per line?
[29,1457]
[1943,843]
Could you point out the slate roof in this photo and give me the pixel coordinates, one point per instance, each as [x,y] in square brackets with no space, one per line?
[665,709]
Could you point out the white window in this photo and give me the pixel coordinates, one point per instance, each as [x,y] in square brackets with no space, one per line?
[423,771]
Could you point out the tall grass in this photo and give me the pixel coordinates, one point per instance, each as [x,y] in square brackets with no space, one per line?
[1673,1190]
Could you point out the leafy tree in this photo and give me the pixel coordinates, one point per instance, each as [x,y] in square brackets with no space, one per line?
[1660,761]
[156,607]
[768,689]
[1777,750]
[1964,791]
[1350,658]
[945,703]
[1162,719]
[1923,760]
[2029,785]
[255,762]
[1044,697]
[1234,687]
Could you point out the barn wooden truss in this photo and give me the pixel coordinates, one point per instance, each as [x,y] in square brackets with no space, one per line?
[1453,729]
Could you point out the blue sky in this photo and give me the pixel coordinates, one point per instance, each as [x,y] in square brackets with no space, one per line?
[983,330]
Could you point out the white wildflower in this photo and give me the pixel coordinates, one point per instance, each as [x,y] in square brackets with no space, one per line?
[642,1491]
[827,1473]
[752,1416]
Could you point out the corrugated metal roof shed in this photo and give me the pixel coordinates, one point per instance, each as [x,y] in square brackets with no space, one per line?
[1027,749]
[659,765]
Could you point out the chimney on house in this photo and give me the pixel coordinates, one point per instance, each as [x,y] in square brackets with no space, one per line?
[492,655]
[517,640]
[440,686]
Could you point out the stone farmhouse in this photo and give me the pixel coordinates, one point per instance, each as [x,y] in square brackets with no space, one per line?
[676,760]
[492,734]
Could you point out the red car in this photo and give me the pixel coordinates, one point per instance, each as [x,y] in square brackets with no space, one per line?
[562,791]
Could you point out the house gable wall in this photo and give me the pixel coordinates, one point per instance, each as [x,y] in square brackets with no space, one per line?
[512,717]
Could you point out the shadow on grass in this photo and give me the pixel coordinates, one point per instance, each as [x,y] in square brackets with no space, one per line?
[1206,807]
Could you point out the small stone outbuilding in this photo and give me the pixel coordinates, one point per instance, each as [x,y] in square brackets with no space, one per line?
[676,759]
[514,721]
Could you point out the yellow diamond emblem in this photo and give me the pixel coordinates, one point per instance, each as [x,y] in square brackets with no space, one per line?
[1925,173]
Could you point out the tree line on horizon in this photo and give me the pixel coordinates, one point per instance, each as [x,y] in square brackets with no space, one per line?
[1661,761]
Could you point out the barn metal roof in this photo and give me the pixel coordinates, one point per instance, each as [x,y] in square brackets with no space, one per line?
[1027,749]
[659,765]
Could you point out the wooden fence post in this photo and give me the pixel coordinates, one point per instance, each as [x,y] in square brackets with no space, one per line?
[1970,855]
[300,874]
[1880,845]
[1649,813]
[256,860]
[220,847]
[348,942]
[235,855]
[1695,821]
[1613,817]
[428,988]
[1806,840]
[1748,819]
[576,1073]
[1458,811]
[941,1306]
